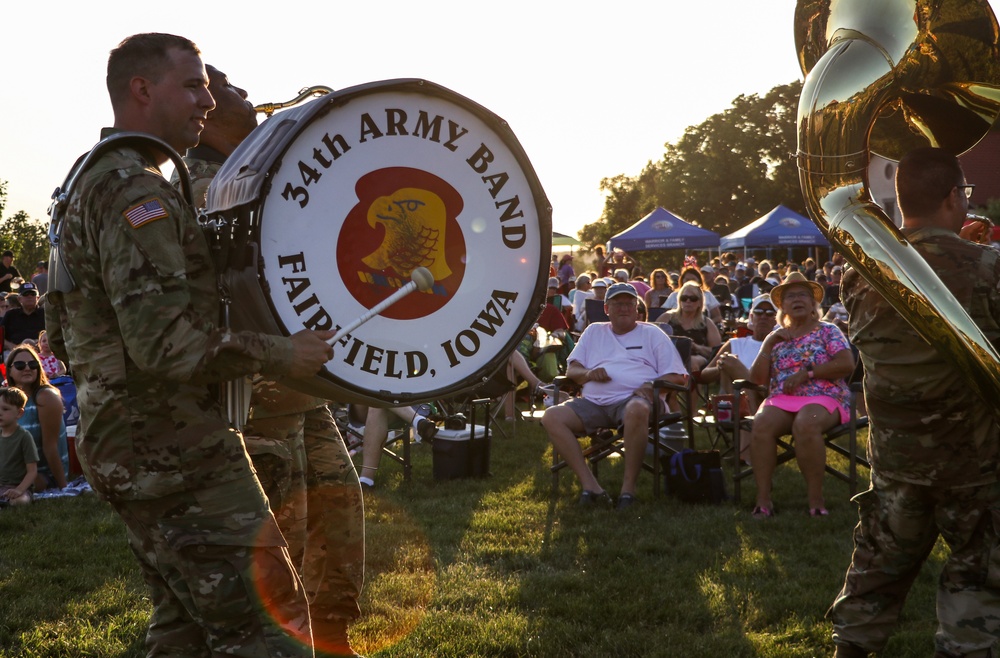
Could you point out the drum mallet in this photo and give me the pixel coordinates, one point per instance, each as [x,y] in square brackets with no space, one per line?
[420,279]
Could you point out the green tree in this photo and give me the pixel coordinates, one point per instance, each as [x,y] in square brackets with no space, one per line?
[721,174]
[27,238]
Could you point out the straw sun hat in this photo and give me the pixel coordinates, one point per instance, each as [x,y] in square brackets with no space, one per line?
[796,279]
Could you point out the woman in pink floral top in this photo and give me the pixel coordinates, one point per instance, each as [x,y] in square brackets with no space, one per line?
[804,363]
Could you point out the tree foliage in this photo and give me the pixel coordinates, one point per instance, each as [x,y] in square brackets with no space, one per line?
[722,174]
[26,237]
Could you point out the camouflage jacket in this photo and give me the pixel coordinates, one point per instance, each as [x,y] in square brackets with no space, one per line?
[140,329]
[927,425]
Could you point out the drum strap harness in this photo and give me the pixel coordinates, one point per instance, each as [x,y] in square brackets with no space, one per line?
[59,276]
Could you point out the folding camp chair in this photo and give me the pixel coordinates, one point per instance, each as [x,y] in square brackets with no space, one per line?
[832,438]
[608,441]
[595,311]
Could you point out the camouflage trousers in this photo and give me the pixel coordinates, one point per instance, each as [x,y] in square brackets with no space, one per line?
[220,577]
[899,525]
[318,504]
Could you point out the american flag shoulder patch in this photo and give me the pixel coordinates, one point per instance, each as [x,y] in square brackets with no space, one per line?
[145,212]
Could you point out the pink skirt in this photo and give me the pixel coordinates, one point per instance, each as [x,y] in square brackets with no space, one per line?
[794,403]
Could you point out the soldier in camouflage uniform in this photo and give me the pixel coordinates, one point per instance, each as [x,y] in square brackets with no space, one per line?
[139,328]
[933,444]
[300,457]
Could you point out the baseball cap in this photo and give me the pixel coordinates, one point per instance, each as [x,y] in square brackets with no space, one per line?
[600,282]
[741,266]
[621,289]
[708,269]
[553,282]
[837,268]
[761,299]
[27,288]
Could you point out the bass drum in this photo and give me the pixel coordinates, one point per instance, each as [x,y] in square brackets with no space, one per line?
[326,209]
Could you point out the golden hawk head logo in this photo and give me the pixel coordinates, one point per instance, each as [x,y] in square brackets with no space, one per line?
[415,233]
[405,218]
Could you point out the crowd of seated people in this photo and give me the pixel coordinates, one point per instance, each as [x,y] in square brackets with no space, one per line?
[692,299]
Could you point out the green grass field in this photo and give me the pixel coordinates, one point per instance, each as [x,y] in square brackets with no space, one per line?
[498,566]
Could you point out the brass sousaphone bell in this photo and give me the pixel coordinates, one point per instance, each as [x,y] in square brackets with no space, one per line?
[888,76]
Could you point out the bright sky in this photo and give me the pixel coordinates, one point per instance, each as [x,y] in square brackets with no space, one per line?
[591,89]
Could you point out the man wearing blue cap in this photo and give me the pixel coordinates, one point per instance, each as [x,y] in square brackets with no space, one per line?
[615,362]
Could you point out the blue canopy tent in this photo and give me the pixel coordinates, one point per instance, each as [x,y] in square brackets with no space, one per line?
[778,228]
[661,229]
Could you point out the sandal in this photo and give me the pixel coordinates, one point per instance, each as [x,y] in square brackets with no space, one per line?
[818,511]
[760,513]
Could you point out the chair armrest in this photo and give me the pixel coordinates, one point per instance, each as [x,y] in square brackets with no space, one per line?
[663,383]
[741,384]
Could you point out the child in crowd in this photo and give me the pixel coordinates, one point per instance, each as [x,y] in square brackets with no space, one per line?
[51,364]
[18,455]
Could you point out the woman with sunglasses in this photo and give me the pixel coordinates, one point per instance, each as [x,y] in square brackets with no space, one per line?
[803,363]
[43,416]
[690,320]
[711,306]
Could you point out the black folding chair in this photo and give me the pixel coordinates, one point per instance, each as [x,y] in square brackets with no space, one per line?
[786,446]
[608,441]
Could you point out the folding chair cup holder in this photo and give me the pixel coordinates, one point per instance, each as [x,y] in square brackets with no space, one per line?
[786,445]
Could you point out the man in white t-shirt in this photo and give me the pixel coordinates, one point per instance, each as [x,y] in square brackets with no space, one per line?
[737,355]
[615,362]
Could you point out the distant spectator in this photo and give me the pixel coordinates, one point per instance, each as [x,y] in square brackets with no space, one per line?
[26,322]
[580,284]
[51,364]
[598,289]
[18,455]
[565,272]
[810,269]
[557,300]
[41,277]
[638,282]
[7,271]
[739,276]
[617,260]
[599,260]
[832,294]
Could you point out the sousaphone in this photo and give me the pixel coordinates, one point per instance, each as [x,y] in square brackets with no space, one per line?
[887,76]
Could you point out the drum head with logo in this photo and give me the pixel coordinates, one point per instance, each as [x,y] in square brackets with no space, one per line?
[355,190]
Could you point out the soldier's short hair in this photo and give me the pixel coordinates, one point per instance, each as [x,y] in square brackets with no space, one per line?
[924,178]
[144,55]
[15,397]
